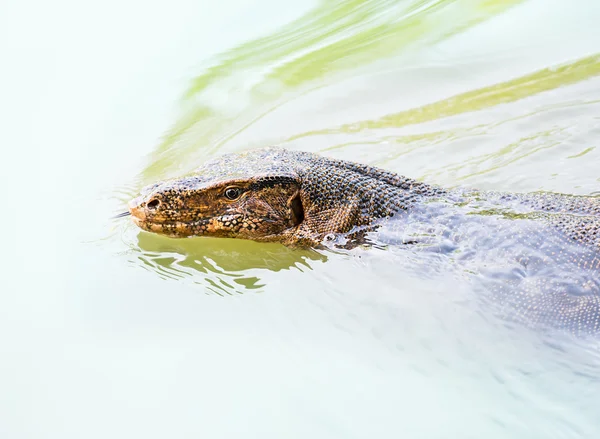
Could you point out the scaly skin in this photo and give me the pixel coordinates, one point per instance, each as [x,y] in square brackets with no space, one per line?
[295,198]
[549,244]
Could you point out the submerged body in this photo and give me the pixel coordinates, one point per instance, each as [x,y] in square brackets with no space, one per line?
[541,252]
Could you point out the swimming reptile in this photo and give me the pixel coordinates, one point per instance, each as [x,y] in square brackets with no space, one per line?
[544,247]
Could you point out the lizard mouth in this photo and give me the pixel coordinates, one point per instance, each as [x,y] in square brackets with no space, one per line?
[174,229]
[144,218]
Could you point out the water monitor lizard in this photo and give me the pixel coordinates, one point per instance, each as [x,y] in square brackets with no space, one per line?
[544,247]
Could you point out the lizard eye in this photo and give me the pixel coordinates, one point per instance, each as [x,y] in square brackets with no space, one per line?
[233,193]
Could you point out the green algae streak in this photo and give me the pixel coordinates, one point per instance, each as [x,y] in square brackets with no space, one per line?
[318,49]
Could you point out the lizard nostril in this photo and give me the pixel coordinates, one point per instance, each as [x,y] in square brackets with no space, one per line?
[153,204]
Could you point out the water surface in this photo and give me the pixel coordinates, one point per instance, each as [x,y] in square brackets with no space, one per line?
[107,331]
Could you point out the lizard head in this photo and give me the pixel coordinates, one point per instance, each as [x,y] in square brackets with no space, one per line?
[250,196]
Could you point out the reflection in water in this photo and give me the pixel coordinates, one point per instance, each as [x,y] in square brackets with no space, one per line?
[322,47]
[505,92]
[222,266]
[414,133]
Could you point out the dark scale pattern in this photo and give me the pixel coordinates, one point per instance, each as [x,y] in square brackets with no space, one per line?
[538,254]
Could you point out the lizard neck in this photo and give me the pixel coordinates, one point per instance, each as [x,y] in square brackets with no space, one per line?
[338,196]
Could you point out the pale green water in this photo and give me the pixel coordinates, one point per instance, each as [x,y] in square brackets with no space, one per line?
[109,332]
